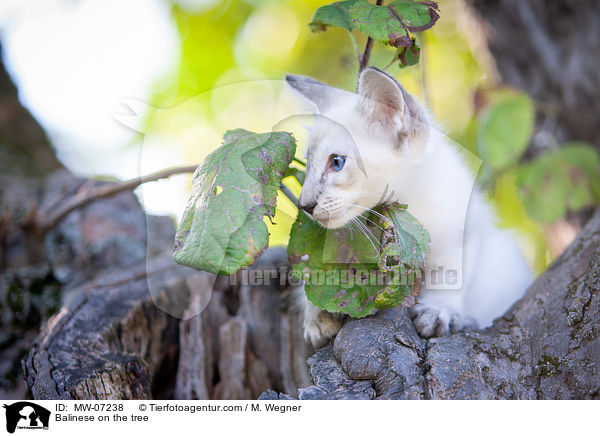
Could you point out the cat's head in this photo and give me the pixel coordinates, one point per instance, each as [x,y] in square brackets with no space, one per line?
[361,148]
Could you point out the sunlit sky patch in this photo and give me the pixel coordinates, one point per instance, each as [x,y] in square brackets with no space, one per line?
[73,61]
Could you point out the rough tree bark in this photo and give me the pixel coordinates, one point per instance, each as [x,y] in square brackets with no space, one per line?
[113,339]
[546,347]
[28,290]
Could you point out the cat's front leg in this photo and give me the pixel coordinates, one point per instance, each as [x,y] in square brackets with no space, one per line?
[319,325]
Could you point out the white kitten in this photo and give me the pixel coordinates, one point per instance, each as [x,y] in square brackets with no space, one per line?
[381,145]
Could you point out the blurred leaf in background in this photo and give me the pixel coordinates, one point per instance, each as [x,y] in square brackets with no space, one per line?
[562,180]
[504,128]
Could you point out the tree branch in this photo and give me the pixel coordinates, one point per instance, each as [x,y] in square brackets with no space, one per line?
[49,220]
[364,59]
[52,218]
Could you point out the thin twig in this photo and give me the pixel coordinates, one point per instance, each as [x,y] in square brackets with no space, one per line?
[299,161]
[392,62]
[364,59]
[289,194]
[86,196]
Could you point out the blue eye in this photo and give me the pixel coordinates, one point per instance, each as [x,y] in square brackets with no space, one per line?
[337,162]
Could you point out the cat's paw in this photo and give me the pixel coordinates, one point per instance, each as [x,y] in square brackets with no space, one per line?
[432,322]
[322,327]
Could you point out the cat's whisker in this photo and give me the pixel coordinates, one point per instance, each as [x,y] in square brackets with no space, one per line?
[369,231]
[365,231]
[372,211]
[371,221]
[357,226]
[348,225]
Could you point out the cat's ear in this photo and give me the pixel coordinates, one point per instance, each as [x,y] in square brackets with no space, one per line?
[318,94]
[385,102]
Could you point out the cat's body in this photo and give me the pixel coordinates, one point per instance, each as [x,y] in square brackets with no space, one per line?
[389,151]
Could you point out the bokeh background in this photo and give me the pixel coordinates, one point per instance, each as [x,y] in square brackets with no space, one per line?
[81,65]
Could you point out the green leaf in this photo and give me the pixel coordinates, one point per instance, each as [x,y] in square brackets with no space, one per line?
[392,23]
[404,248]
[558,181]
[222,228]
[347,271]
[408,56]
[335,14]
[585,163]
[543,190]
[504,130]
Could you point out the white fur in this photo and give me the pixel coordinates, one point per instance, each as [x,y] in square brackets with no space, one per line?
[398,146]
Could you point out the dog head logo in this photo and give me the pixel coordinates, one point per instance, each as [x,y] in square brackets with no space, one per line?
[26,415]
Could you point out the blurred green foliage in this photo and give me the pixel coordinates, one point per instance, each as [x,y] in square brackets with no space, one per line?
[530,194]
[504,129]
[234,41]
[562,180]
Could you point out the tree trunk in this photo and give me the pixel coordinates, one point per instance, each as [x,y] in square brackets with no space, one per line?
[116,339]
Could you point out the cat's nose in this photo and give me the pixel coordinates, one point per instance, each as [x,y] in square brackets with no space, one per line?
[309,207]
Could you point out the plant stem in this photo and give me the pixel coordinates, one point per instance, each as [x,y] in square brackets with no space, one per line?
[392,62]
[364,59]
[289,194]
[84,197]
[299,161]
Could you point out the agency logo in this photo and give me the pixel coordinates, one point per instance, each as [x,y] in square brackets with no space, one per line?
[24,415]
